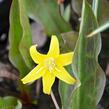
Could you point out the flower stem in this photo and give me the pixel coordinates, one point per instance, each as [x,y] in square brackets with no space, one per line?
[54,100]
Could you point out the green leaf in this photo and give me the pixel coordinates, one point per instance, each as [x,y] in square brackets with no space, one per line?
[10,102]
[77,6]
[26,39]
[66,91]
[65,12]
[100,83]
[47,13]
[95,6]
[20,38]
[99,29]
[69,41]
[85,63]
[85,95]
[15,36]
[101,8]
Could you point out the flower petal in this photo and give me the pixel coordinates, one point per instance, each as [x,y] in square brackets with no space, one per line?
[63,75]
[36,56]
[36,73]
[65,59]
[48,80]
[54,47]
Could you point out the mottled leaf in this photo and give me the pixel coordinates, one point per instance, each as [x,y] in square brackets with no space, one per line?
[85,63]
[85,67]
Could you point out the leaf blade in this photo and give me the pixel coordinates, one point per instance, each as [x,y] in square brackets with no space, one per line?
[26,40]
[15,34]
[85,67]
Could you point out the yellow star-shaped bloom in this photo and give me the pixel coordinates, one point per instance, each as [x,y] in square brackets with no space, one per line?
[50,66]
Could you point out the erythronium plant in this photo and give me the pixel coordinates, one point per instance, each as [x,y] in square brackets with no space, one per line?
[50,66]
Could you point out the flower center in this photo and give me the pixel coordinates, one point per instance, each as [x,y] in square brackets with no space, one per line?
[50,63]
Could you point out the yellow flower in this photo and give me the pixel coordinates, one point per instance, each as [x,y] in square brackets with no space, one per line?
[50,66]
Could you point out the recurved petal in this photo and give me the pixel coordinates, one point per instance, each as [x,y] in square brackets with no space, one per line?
[63,75]
[54,47]
[65,59]
[36,73]
[48,80]
[36,56]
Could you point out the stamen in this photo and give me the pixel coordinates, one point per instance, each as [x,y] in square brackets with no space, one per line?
[50,64]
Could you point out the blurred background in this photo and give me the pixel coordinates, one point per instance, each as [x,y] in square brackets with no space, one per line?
[9,75]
